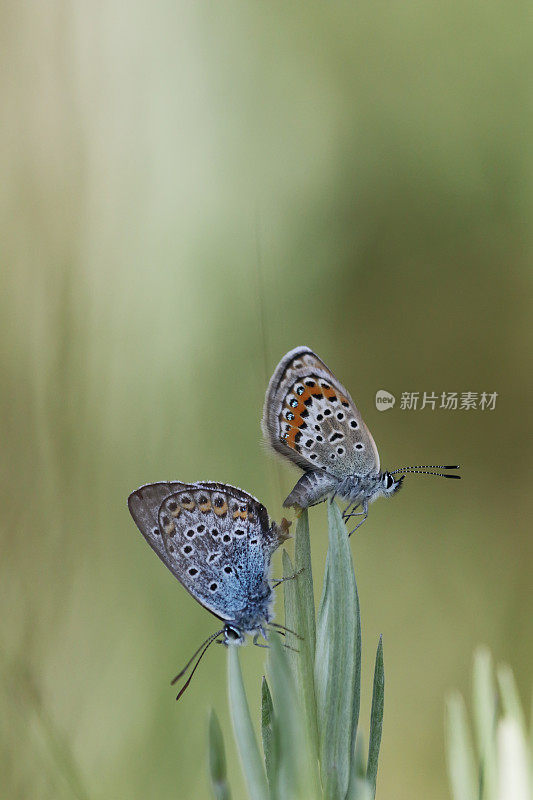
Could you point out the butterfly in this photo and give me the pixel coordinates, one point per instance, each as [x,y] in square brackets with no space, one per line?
[217,540]
[310,418]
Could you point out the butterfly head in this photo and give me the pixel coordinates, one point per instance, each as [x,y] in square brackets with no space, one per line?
[233,634]
[389,485]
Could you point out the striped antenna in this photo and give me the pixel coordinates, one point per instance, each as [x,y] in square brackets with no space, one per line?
[422,469]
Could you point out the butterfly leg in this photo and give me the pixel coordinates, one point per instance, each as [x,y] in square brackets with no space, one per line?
[349,511]
[277,581]
[258,644]
[354,514]
[358,524]
[363,513]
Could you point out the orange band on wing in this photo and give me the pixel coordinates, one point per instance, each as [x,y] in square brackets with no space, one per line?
[309,392]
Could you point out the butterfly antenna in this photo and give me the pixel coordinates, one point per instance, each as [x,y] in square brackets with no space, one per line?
[421,469]
[283,644]
[189,662]
[189,679]
[283,628]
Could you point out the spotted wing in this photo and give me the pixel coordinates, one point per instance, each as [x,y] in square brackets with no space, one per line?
[310,418]
[144,505]
[217,540]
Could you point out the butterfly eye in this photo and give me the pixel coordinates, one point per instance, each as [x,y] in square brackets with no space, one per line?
[232,634]
[387,480]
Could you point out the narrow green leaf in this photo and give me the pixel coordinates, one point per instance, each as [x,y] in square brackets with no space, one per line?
[485,719]
[268,734]
[357,675]
[292,611]
[244,733]
[512,706]
[302,660]
[514,770]
[297,616]
[376,719]
[294,773]
[302,565]
[306,627]
[359,758]
[460,753]
[337,661]
[217,760]
[359,788]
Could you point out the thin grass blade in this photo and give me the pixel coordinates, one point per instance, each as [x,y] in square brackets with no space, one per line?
[217,760]
[514,775]
[268,732]
[305,676]
[376,719]
[297,618]
[485,712]
[512,706]
[294,774]
[292,612]
[304,582]
[460,753]
[337,662]
[251,761]
[359,788]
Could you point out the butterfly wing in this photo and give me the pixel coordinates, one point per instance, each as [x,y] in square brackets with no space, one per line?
[144,505]
[215,538]
[219,542]
[310,418]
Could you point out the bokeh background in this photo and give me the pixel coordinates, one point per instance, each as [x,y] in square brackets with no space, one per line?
[188,191]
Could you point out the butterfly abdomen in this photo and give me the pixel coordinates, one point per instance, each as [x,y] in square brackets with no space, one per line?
[313,487]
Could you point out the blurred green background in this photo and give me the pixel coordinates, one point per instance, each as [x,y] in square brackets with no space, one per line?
[362,174]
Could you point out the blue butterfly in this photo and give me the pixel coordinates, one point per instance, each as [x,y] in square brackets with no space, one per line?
[218,541]
[310,419]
